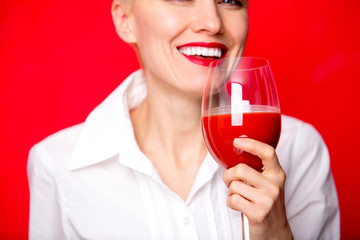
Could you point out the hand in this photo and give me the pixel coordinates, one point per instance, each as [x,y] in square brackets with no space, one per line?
[260,196]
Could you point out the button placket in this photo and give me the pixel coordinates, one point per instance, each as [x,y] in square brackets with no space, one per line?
[186,220]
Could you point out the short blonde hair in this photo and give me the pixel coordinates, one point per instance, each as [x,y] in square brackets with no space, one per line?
[127,4]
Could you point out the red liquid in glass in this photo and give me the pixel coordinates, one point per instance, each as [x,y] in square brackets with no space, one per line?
[219,136]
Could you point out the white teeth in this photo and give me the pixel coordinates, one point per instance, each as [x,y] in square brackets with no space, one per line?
[201,51]
[204,52]
[217,52]
[211,52]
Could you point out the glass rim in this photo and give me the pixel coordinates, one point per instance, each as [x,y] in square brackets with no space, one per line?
[218,63]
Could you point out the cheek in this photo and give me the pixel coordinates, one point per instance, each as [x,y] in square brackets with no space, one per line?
[172,25]
[152,26]
[154,35]
[240,34]
[237,28]
[141,26]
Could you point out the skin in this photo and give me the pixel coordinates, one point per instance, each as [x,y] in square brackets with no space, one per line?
[167,124]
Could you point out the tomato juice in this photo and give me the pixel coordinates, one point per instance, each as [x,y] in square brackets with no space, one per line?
[219,135]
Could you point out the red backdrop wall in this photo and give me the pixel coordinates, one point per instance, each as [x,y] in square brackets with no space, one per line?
[59,59]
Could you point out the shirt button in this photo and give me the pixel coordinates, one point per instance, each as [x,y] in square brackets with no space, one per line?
[186,220]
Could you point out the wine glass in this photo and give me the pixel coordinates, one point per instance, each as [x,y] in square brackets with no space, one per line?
[239,100]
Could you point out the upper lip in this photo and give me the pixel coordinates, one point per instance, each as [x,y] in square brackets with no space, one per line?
[214,45]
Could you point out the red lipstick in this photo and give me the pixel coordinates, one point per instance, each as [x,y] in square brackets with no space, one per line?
[201,60]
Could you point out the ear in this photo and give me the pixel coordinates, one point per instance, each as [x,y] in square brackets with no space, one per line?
[121,18]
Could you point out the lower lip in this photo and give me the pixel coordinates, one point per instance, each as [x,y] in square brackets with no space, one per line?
[201,61]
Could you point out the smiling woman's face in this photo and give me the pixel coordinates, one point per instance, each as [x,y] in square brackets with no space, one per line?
[176,39]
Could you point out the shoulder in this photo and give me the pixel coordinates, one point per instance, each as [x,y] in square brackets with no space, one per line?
[296,131]
[290,124]
[54,151]
[300,144]
[304,157]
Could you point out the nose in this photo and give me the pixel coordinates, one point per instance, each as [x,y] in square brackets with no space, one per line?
[206,18]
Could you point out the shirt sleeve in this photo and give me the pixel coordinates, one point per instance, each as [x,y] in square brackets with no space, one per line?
[311,197]
[45,221]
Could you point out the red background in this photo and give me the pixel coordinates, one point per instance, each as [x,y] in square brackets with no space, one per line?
[59,59]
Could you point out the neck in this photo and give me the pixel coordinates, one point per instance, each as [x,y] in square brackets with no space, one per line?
[167,128]
[171,121]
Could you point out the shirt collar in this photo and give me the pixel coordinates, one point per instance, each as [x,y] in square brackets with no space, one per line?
[108,131]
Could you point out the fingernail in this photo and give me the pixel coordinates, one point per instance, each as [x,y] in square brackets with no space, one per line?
[238,142]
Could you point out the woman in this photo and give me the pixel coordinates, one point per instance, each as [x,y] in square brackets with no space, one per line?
[138,167]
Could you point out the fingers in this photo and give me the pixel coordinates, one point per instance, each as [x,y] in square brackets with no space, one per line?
[259,195]
[256,202]
[239,203]
[270,186]
[264,151]
[244,173]
[254,212]
[252,203]
[245,190]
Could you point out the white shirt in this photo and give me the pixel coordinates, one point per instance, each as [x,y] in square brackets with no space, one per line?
[91,181]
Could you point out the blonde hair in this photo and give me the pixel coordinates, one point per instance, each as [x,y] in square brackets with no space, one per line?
[127,4]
